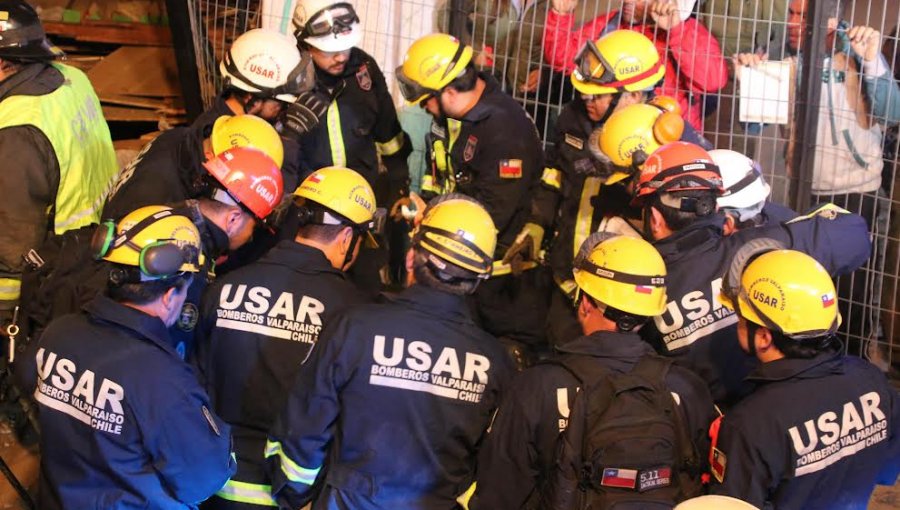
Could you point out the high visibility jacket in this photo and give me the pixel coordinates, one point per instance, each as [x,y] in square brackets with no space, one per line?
[124,422]
[815,433]
[69,117]
[260,323]
[393,403]
[696,328]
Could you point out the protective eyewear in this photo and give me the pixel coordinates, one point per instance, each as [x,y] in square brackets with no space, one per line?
[589,62]
[336,19]
[412,90]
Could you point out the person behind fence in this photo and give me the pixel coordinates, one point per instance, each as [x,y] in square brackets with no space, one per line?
[606,422]
[579,193]
[390,408]
[692,56]
[493,154]
[859,98]
[820,429]
[361,130]
[59,156]
[124,422]
[248,364]
[677,189]
[745,199]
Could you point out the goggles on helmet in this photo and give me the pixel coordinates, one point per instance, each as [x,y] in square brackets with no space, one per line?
[335,19]
[587,68]
[301,79]
[412,90]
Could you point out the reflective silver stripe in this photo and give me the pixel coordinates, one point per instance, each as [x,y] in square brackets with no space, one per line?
[60,226]
[335,138]
[293,471]
[10,289]
[243,492]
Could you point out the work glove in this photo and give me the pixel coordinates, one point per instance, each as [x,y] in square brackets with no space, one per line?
[526,248]
[301,116]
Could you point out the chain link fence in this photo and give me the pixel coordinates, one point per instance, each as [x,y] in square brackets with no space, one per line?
[822,125]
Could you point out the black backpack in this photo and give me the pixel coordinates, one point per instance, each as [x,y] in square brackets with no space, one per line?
[626,445]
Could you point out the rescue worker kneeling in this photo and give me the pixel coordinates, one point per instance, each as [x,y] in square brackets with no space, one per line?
[261,322]
[820,429]
[396,396]
[124,422]
[607,422]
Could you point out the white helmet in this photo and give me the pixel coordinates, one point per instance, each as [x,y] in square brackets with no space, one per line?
[745,187]
[268,63]
[328,25]
[715,503]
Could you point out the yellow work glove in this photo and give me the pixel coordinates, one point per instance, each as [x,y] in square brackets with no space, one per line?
[464,498]
[526,248]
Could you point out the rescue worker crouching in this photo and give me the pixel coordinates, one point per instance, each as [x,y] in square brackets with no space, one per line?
[261,322]
[820,429]
[123,419]
[393,402]
[621,283]
[495,157]
[678,188]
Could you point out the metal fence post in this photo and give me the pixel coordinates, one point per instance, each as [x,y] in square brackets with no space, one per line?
[457,18]
[813,53]
[186,58]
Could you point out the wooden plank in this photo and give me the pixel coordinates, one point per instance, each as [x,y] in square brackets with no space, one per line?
[171,106]
[113,33]
[137,71]
[125,114]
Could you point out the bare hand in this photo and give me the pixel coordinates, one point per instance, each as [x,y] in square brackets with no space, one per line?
[665,14]
[564,6]
[865,42]
[746,59]
[531,82]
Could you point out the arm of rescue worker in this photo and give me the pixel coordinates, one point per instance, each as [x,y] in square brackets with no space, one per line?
[393,144]
[745,473]
[508,461]
[699,411]
[547,195]
[698,56]
[30,186]
[562,41]
[189,445]
[891,469]
[299,439]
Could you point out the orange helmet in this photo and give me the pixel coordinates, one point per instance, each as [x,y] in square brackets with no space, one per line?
[250,178]
[678,166]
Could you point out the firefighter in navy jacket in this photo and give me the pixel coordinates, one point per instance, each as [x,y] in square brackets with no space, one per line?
[678,188]
[261,322]
[390,408]
[520,450]
[820,429]
[493,155]
[124,422]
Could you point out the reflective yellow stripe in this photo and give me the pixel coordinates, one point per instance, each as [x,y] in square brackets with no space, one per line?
[61,224]
[453,128]
[391,146]
[242,492]
[429,185]
[585,212]
[501,269]
[335,138]
[826,210]
[9,289]
[552,177]
[293,471]
[567,286]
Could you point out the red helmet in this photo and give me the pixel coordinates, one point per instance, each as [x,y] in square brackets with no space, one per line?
[678,166]
[250,178]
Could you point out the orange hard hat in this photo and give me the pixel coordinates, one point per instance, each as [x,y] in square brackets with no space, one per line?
[678,166]
[250,178]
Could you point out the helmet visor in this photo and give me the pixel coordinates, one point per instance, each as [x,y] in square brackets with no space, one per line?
[590,66]
[411,90]
[337,19]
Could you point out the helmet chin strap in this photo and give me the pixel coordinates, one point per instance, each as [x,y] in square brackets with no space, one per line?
[350,249]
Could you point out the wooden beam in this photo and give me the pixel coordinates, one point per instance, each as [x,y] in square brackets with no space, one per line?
[136,34]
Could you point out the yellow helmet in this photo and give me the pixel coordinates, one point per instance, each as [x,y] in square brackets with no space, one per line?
[159,240]
[430,64]
[623,272]
[230,131]
[620,61]
[783,290]
[342,191]
[458,230]
[637,127]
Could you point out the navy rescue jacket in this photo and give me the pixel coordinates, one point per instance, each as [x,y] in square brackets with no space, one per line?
[816,433]
[519,452]
[259,325]
[124,423]
[393,403]
[696,328]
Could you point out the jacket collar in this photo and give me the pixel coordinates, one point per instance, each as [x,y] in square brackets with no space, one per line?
[700,235]
[608,344]
[300,258]
[32,80]
[825,363]
[485,105]
[433,302]
[191,157]
[141,325]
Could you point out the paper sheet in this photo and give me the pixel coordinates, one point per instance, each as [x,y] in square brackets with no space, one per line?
[765,92]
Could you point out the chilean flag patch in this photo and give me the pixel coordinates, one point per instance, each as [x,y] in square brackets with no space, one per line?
[510,168]
[827,300]
[315,178]
[622,478]
[643,289]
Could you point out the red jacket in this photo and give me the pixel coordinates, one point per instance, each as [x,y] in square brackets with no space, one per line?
[694,61]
